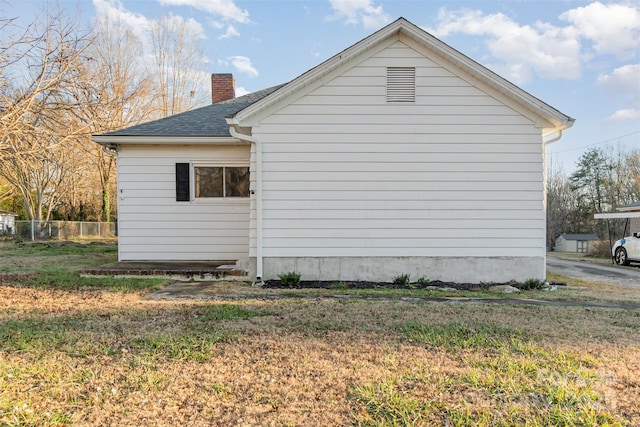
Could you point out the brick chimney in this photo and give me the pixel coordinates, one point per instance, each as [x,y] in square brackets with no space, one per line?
[223,87]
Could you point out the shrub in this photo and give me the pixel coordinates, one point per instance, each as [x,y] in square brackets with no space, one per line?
[402,280]
[290,279]
[600,249]
[532,284]
[340,285]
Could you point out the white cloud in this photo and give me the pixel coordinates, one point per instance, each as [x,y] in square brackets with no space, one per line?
[624,81]
[226,9]
[614,28]
[624,114]
[178,23]
[216,24]
[243,65]
[240,91]
[359,12]
[114,11]
[547,50]
[542,49]
[231,32]
[140,25]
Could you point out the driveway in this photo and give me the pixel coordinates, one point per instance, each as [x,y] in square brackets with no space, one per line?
[628,277]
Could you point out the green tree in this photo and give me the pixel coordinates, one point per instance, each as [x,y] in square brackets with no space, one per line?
[590,180]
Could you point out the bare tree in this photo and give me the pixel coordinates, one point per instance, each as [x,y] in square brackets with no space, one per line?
[6,190]
[560,205]
[633,169]
[177,61]
[58,86]
[116,93]
[38,112]
[628,177]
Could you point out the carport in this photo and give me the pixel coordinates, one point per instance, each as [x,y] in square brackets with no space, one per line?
[630,213]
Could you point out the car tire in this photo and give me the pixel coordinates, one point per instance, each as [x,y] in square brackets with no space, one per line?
[621,257]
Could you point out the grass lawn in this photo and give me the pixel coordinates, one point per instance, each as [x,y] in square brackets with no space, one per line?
[90,351]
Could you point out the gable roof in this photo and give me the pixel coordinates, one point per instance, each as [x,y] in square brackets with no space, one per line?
[589,236]
[212,121]
[553,119]
[207,121]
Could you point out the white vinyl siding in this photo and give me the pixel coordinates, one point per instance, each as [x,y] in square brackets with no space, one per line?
[153,226]
[457,173]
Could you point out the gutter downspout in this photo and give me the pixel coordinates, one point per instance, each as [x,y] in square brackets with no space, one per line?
[244,137]
[554,139]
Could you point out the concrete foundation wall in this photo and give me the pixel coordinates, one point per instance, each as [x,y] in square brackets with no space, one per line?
[384,269]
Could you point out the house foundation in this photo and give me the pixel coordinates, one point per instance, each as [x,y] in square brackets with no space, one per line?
[384,269]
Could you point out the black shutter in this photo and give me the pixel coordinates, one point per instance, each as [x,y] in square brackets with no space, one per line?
[182,182]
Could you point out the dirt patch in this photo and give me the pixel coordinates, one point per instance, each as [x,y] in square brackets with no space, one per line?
[12,278]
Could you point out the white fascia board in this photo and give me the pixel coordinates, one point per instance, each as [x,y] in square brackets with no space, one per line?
[317,73]
[617,215]
[167,140]
[402,26]
[488,77]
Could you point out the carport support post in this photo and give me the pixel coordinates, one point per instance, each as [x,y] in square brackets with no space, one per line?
[610,242]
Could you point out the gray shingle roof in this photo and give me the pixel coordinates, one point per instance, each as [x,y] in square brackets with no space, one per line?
[580,237]
[204,121]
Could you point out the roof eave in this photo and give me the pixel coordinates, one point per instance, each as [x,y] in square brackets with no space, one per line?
[313,74]
[165,140]
[558,120]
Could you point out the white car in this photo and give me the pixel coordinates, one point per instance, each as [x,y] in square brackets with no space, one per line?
[626,250]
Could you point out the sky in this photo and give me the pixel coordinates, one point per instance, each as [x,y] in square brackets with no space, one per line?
[581,57]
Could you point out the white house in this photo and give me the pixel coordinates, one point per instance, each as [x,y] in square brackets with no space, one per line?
[399,155]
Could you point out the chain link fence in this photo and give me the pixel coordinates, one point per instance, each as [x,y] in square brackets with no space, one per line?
[63,230]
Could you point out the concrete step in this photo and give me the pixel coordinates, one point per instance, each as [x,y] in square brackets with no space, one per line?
[187,270]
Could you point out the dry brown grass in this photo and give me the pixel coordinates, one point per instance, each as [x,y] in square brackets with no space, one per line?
[90,356]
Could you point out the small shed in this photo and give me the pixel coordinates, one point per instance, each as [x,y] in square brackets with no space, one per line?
[7,223]
[580,243]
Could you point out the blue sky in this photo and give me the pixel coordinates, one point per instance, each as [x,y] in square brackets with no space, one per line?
[582,57]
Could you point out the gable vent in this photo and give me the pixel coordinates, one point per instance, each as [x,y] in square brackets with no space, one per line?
[401,84]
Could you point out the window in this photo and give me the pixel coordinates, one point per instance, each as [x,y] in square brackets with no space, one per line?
[401,84]
[221,181]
